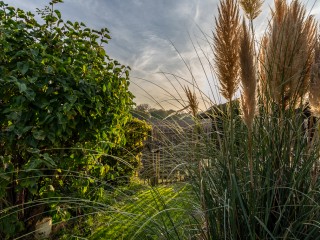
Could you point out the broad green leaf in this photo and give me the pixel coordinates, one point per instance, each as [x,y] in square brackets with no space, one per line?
[71,98]
[33,150]
[23,67]
[49,162]
[30,94]
[34,163]
[39,134]
[22,87]
[84,69]
[35,52]
[57,13]
[26,129]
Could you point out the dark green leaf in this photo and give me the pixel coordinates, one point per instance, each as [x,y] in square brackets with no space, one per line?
[48,160]
[58,13]
[22,87]
[39,134]
[23,67]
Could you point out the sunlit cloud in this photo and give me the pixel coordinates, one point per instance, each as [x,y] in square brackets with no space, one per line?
[150,36]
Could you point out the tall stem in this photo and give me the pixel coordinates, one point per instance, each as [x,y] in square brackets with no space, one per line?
[250,156]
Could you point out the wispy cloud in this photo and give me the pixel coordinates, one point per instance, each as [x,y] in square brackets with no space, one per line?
[145,35]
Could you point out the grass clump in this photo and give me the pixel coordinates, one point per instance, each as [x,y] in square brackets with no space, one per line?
[262,180]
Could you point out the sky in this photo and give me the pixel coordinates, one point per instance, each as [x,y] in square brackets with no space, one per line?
[165,42]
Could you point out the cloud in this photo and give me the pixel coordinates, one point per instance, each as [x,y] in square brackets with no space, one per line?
[142,32]
[146,35]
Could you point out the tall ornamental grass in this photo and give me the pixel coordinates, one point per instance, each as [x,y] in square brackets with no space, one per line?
[262,180]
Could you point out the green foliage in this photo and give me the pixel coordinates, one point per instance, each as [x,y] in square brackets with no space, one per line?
[60,94]
[136,132]
[161,113]
[145,112]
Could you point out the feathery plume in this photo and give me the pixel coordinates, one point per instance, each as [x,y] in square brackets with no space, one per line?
[262,80]
[314,88]
[248,78]
[226,46]
[310,30]
[248,84]
[280,7]
[252,8]
[192,100]
[288,54]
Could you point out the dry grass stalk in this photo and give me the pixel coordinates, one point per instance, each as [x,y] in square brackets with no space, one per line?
[314,102]
[310,30]
[280,8]
[288,54]
[226,46]
[262,77]
[249,85]
[192,100]
[252,8]
[248,78]
[314,89]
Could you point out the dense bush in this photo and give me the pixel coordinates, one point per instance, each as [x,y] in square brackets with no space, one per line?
[136,132]
[60,95]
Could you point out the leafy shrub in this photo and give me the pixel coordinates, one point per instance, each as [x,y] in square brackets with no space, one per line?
[136,132]
[60,94]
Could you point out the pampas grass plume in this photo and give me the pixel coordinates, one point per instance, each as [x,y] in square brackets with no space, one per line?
[252,8]
[226,46]
[288,54]
[192,100]
[248,78]
[314,88]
